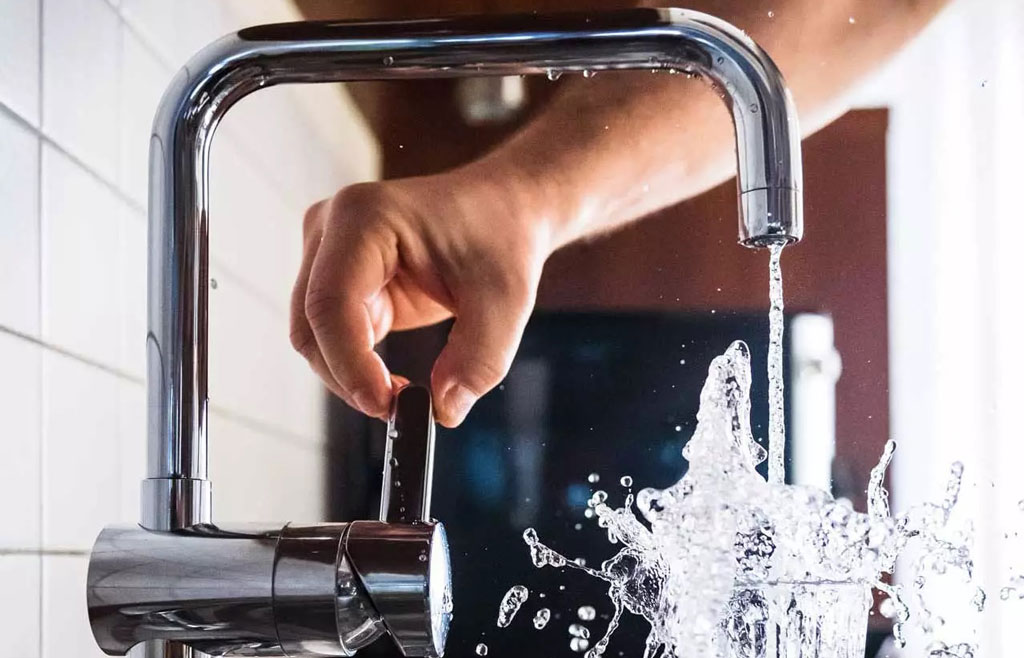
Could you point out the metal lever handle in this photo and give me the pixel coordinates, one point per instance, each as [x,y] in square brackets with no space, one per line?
[408,458]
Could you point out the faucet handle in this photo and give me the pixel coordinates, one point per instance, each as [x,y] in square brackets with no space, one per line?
[402,560]
[408,458]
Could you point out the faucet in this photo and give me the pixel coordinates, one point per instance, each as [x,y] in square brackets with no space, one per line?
[178,582]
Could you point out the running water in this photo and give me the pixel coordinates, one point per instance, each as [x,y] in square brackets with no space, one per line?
[776,398]
[724,563]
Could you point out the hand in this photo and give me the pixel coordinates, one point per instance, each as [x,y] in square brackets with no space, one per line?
[408,253]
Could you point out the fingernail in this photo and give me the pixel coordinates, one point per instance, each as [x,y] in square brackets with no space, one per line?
[459,400]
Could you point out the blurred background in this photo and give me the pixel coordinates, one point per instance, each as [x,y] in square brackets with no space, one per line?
[903,307]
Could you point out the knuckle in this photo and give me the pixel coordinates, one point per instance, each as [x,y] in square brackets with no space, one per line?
[485,374]
[356,201]
[302,339]
[312,217]
[320,304]
[515,286]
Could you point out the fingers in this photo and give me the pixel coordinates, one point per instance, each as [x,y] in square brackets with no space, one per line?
[347,312]
[488,327]
[301,334]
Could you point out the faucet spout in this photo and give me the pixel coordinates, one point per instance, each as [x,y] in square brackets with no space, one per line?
[177,493]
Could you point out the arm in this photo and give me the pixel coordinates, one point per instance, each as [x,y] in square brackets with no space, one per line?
[472,242]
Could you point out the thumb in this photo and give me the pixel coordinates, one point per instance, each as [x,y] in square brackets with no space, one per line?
[488,326]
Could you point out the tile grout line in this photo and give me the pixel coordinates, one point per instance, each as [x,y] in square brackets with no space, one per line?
[137,209]
[42,552]
[42,388]
[263,427]
[85,360]
[119,456]
[263,168]
[111,186]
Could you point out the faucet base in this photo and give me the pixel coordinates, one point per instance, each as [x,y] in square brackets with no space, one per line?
[172,503]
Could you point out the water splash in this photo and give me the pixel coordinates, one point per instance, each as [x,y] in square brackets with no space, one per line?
[510,604]
[541,618]
[724,563]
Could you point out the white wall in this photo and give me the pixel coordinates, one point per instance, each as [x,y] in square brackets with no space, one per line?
[956,278]
[79,81]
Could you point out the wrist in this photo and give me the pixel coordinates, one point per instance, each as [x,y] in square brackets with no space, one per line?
[533,194]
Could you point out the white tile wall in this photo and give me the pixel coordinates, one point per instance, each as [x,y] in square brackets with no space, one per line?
[19,58]
[65,630]
[19,615]
[19,225]
[20,469]
[76,107]
[81,57]
[81,260]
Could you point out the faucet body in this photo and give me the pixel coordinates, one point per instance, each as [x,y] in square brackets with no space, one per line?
[176,500]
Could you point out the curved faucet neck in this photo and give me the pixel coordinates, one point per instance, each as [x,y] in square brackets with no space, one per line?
[176,493]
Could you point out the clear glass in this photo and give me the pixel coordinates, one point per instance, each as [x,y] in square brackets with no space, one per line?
[797,620]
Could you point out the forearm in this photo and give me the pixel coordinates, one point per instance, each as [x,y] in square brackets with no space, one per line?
[616,147]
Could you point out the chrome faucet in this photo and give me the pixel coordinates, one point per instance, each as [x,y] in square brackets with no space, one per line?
[327,590]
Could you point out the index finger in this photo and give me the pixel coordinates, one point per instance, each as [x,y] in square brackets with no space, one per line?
[348,311]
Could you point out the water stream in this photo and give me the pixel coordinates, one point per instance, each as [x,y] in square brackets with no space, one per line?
[776,398]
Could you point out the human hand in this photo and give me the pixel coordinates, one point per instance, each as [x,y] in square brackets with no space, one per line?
[407,253]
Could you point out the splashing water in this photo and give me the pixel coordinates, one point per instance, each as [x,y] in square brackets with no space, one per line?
[541,618]
[724,563]
[510,604]
[776,399]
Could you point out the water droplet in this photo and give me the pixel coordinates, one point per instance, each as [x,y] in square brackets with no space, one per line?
[578,526]
[979,599]
[852,20]
[626,481]
[541,619]
[579,630]
[213,283]
[1004,594]
[984,83]
[397,483]
[553,74]
[587,73]
[771,14]
[679,428]
[589,513]
[423,557]
[753,108]
[598,498]
[580,562]
[393,461]
[1020,505]
[586,613]
[578,644]
[388,61]
[510,604]
[593,478]
[481,649]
